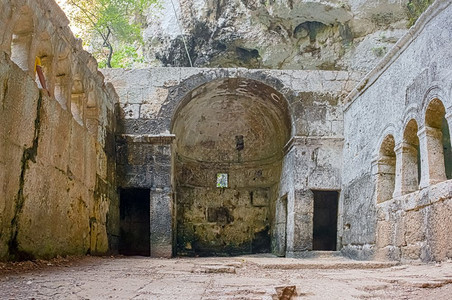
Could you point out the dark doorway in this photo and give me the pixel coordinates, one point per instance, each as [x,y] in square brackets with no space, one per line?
[325,220]
[134,222]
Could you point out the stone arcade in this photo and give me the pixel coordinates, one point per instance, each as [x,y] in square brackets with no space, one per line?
[308,160]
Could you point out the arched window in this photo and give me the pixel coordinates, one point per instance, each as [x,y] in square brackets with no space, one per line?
[22,38]
[386,166]
[435,143]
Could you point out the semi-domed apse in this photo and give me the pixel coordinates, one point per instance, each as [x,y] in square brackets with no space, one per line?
[230,135]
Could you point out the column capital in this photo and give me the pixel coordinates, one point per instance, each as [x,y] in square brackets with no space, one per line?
[401,146]
[428,131]
[448,115]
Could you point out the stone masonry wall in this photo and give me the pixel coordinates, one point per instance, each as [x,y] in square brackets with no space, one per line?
[396,108]
[149,99]
[238,218]
[57,155]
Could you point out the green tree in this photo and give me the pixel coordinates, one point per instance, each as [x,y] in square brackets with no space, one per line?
[111,25]
[416,8]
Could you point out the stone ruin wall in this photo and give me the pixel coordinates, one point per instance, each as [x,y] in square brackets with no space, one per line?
[312,158]
[57,156]
[400,121]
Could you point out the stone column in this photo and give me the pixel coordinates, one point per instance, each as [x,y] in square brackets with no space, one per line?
[303,211]
[63,92]
[280,233]
[161,205]
[449,122]
[290,232]
[161,223]
[406,180]
[92,120]
[432,157]
[383,170]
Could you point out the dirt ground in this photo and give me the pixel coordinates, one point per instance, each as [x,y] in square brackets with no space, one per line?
[245,277]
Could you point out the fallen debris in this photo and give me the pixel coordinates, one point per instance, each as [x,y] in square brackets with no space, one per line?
[285,292]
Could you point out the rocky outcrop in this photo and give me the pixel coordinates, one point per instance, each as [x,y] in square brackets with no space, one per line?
[281,34]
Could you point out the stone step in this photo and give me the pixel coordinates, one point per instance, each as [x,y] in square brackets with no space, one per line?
[248,292]
[316,254]
[328,260]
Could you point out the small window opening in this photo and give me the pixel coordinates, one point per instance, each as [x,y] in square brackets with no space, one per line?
[239,142]
[222,180]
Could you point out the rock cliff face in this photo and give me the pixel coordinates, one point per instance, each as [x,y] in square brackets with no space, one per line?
[281,34]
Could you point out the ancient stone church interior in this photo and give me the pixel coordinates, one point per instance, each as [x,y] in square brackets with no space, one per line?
[326,127]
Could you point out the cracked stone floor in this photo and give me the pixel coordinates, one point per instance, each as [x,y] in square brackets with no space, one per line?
[244,277]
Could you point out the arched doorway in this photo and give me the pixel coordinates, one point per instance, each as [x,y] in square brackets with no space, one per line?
[230,135]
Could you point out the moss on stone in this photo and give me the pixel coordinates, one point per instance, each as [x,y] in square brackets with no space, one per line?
[379,51]
[415,8]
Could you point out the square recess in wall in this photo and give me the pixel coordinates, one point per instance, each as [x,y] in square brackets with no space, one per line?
[222,180]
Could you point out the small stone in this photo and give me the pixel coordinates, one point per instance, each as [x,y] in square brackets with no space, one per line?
[286,292]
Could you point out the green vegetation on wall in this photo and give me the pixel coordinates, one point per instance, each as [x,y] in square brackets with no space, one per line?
[415,8]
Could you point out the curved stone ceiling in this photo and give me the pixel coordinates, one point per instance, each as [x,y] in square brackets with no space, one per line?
[214,119]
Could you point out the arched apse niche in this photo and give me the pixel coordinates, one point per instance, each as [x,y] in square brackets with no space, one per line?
[228,153]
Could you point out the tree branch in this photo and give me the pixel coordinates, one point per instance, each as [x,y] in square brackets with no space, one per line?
[110,48]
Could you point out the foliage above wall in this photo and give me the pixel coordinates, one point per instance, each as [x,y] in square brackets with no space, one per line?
[112,29]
